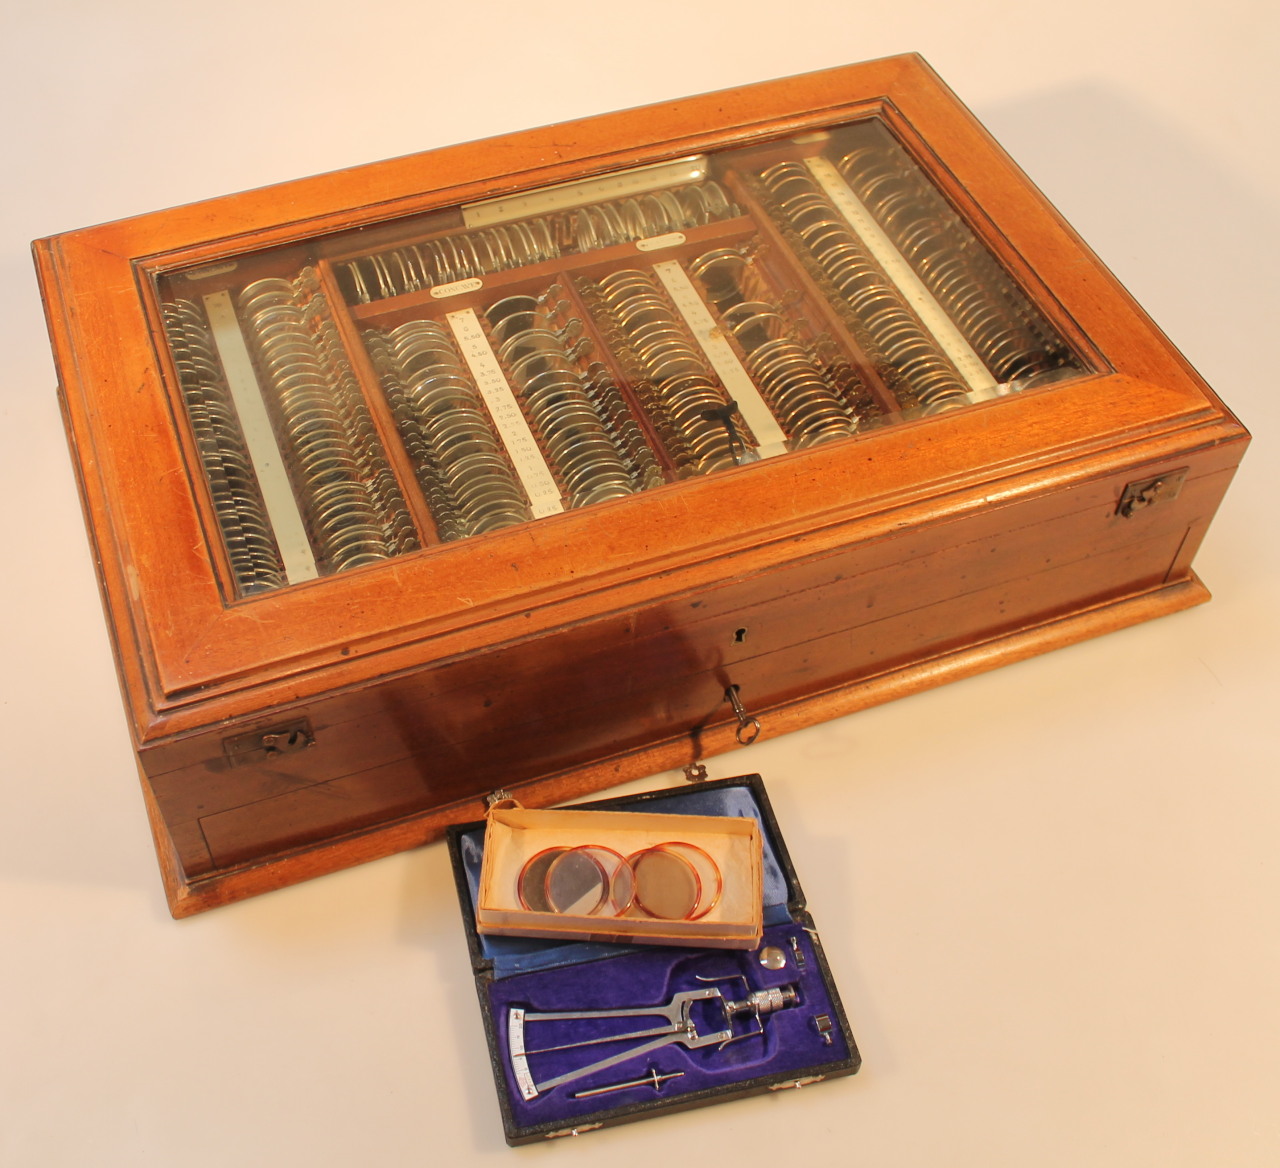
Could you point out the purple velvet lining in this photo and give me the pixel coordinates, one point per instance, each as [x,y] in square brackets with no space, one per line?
[790,1043]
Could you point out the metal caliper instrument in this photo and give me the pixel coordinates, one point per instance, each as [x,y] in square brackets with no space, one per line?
[679,1027]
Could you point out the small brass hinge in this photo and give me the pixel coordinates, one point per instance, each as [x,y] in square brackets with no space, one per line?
[1144,493]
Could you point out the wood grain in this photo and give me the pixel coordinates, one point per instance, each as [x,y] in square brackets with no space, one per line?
[595,646]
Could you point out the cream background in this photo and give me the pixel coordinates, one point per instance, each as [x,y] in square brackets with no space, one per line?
[1049,894]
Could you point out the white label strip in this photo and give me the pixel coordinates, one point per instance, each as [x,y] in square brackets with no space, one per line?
[930,312]
[658,242]
[723,359]
[264,452]
[619,185]
[444,291]
[534,474]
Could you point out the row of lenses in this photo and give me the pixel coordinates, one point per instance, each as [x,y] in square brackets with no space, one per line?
[467,255]
[237,501]
[352,505]
[645,216]
[446,260]
[469,485]
[610,371]
[674,881]
[1010,337]
[908,358]
[544,351]
[800,393]
[684,396]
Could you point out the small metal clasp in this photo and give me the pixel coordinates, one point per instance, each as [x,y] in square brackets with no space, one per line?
[269,743]
[1143,493]
[805,1081]
[573,1131]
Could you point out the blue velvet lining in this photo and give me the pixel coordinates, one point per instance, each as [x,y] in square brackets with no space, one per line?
[513,955]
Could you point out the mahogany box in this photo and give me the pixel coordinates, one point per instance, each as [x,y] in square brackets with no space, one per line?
[551,461]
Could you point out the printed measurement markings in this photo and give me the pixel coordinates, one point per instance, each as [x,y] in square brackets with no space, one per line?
[736,380]
[522,448]
[921,300]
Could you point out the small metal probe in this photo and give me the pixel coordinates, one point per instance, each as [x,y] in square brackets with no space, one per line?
[652,1079]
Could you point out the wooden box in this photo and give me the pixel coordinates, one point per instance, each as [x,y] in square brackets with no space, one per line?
[806,399]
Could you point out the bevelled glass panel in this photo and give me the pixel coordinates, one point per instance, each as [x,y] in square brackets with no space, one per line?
[444,376]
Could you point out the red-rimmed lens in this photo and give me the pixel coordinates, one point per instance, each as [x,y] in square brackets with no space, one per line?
[710,881]
[577,882]
[531,887]
[666,883]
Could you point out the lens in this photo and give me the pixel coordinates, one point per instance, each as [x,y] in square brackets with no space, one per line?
[577,884]
[532,885]
[666,884]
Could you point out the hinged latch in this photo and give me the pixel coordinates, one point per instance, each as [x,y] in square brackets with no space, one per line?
[1147,492]
[269,743]
[804,1082]
[573,1131]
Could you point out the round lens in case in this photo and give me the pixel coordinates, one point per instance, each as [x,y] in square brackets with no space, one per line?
[710,880]
[666,884]
[579,882]
[531,886]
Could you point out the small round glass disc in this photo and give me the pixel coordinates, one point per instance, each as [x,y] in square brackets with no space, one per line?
[576,883]
[710,881]
[666,884]
[532,884]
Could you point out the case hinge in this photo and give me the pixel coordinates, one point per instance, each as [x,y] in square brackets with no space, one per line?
[1144,493]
